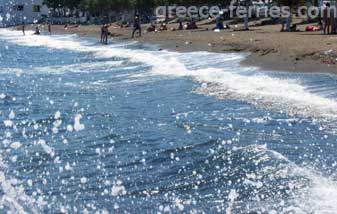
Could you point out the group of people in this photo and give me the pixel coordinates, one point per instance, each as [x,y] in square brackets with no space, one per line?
[191,25]
[163,26]
[105,30]
[154,28]
[219,24]
[37,29]
[137,28]
[328,24]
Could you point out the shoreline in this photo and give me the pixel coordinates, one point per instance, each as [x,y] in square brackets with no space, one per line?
[266,47]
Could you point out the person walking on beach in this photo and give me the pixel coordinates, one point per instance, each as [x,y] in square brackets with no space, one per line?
[23,29]
[326,19]
[104,34]
[49,28]
[136,27]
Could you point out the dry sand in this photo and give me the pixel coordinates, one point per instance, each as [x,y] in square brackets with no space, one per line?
[269,48]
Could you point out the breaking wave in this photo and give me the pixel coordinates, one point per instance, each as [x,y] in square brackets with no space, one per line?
[228,178]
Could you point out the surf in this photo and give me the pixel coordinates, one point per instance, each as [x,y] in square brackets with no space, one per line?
[219,164]
[230,80]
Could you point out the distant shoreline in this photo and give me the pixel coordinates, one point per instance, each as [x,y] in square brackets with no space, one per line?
[269,49]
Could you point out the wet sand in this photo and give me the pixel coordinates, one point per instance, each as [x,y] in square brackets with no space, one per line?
[268,47]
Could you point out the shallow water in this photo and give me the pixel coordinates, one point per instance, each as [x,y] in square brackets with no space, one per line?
[125,128]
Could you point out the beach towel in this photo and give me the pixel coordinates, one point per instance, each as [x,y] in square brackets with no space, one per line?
[312,28]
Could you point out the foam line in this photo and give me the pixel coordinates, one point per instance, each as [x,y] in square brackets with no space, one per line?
[287,95]
[283,94]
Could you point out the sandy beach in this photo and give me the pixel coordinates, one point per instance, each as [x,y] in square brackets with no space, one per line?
[124,127]
[268,47]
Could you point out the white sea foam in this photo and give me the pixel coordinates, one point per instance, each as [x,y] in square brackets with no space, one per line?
[288,95]
[282,94]
[13,197]
[311,192]
[78,67]
[77,124]
[49,150]
[320,197]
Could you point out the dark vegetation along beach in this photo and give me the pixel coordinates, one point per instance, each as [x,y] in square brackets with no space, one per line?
[198,120]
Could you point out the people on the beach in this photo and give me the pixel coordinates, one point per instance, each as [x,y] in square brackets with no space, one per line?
[137,26]
[317,27]
[68,26]
[104,34]
[180,25]
[283,23]
[293,28]
[333,20]
[163,26]
[23,28]
[49,28]
[286,25]
[219,24]
[180,21]
[191,25]
[326,19]
[152,28]
[37,31]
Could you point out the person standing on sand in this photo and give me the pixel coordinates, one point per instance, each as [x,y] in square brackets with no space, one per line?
[49,28]
[326,19]
[136,27]
[333,19]
[23,29]
[181,26]
[106,34]
[102,33]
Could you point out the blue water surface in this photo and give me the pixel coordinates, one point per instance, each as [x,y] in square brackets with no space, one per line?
[151,144]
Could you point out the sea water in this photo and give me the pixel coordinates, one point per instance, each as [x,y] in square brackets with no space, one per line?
[126,128]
